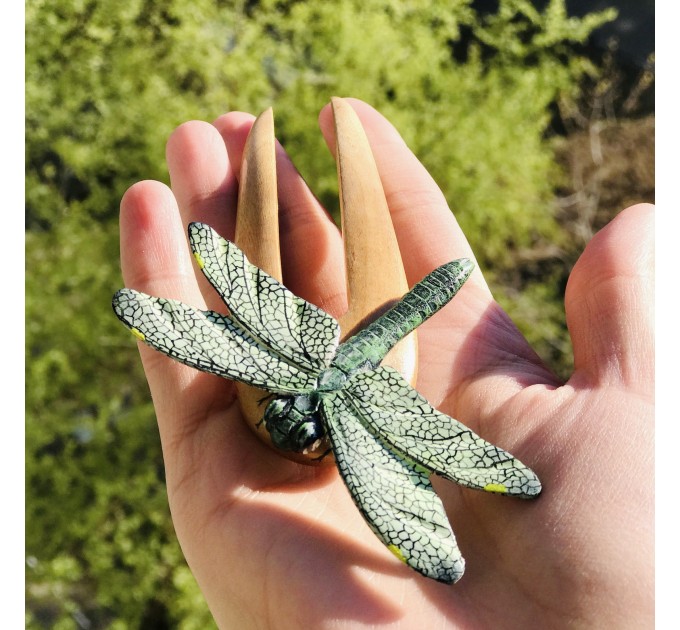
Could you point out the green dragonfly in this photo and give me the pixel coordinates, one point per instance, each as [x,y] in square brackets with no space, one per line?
[386,438]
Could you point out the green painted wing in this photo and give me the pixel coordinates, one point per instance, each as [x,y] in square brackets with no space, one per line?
[293,328]
[393,494]
[395,411]
[271,338]
[209,342]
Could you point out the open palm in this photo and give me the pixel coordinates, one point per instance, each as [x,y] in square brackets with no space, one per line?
[274,544]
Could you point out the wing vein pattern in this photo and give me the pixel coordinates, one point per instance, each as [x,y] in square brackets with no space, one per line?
[300,332]
[392,492]
[209,342]
[410,425]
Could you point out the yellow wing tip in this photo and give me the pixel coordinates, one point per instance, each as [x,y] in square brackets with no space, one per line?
[138,334]
[199,260]
[496,487]
[397,552]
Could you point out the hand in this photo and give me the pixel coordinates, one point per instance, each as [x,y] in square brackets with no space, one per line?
[278,545]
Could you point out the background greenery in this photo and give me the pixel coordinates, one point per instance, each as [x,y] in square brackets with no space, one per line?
[475,96]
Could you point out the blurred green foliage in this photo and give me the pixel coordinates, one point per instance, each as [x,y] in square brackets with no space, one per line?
[106,83]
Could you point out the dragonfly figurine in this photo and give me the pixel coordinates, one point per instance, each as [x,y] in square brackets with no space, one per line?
[386,438]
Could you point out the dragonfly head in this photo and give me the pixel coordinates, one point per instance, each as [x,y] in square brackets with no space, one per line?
[294,423]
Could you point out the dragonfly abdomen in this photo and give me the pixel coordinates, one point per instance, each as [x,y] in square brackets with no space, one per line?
[367,348]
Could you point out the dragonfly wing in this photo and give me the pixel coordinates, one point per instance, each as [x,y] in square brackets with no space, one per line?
[393,493]
[299,331]
[208,341]
[406,421]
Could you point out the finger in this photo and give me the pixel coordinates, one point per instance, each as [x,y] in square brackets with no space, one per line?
[202,176]
[155,259]
[311,248]
[154,253]
[204,185]
[477,341]
[610,302]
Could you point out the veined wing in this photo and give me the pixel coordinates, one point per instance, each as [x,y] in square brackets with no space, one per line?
[393,493]
[406,421]
[299,331]
[208,341]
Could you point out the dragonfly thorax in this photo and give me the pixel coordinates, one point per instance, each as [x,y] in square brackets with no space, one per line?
[331,379]
[294,423]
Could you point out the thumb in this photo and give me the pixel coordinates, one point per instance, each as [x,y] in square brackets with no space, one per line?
[610,303]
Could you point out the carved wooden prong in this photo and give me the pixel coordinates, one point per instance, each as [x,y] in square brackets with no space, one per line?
[375,271]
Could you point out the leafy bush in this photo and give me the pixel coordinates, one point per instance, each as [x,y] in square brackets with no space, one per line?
[106,83]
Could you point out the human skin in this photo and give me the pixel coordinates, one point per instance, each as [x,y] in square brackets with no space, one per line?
[275,544]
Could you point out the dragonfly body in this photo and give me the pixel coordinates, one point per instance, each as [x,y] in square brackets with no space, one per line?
[386,438]
[297,425]
[369,346]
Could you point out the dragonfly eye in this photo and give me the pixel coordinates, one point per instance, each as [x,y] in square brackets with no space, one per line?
[308,434]
[277,409]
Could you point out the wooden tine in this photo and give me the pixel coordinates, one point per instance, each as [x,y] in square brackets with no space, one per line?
[257,219]
[375,273]
[257,235]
